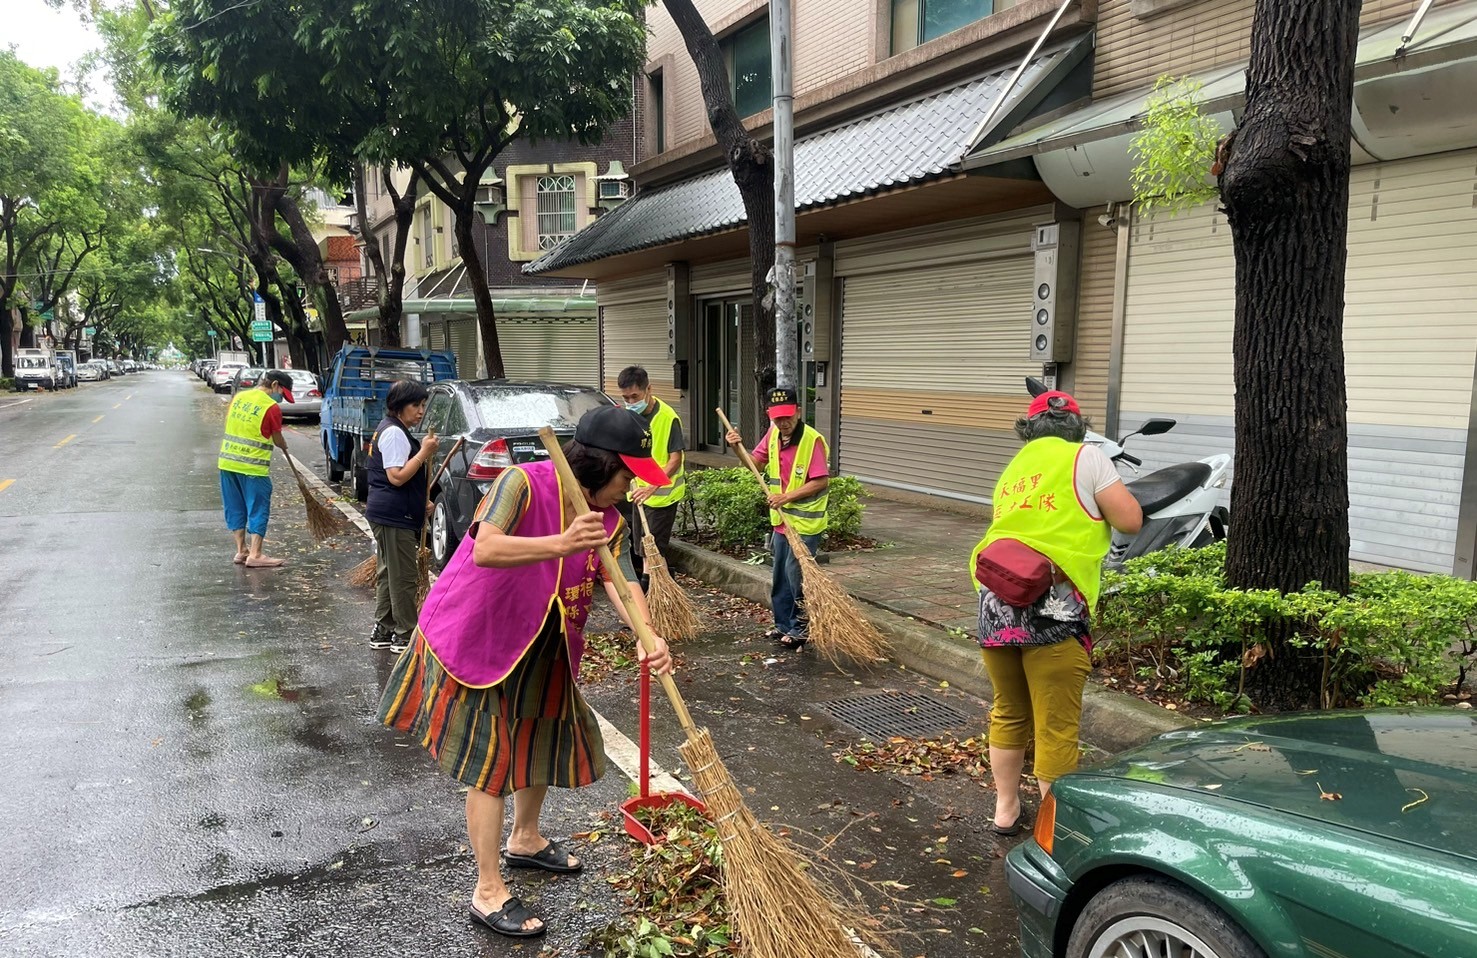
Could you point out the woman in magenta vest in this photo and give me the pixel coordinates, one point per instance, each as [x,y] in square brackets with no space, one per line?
[488,684]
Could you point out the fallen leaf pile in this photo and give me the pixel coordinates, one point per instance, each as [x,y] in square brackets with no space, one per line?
[925,758]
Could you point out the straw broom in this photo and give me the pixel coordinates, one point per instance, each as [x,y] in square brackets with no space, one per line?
[778,909]
[422,554]
[837,626]
[323,520]
[672,613]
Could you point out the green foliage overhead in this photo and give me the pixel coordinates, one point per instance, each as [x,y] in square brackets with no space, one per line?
[1175,149]
[1396,639]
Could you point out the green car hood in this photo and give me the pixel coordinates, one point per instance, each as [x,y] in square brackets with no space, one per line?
[1405,775]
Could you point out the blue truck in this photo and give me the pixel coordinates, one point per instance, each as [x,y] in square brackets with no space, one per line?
[354,402]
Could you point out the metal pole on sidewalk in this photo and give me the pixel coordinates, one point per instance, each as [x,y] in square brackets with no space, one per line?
[787,355]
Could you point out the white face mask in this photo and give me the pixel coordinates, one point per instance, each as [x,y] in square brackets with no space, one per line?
[637,407]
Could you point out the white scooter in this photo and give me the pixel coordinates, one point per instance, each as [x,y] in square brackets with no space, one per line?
[1181,502]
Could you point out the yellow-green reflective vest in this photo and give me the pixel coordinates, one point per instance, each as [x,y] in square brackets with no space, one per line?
[242,448]
[1036,503]
[661,434]
[806,516]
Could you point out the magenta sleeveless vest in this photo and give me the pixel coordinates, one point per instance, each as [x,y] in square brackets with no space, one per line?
[481,622]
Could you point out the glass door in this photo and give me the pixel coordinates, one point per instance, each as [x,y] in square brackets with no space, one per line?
[719,369]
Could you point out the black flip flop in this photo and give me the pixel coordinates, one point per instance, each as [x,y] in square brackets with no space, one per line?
[1009,831]
[508,920]
[552,858]
[793,642]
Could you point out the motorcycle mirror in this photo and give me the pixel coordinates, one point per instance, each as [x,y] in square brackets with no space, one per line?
[1157,427]
[1035,386]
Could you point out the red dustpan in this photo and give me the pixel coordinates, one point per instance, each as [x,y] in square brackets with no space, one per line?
[631,806]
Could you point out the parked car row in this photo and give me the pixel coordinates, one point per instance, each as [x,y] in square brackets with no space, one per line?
[54,369]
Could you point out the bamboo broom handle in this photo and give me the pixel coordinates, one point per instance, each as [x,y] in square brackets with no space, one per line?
[743,453]
[578,507]
[435,479]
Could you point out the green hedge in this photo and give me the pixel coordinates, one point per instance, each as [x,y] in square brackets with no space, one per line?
[731,508]
[7,384]
[1396,639]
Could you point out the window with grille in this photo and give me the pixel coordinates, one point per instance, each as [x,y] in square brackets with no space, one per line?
[556,210]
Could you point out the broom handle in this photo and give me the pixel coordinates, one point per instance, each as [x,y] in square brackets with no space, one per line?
[578,507]
[743,453]
[437,478]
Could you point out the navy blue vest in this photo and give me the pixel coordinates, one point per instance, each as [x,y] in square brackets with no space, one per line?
[403,507]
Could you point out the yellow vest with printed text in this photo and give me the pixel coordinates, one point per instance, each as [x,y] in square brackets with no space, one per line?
[243,449]
[806,516]
[662,420]
[1036,503]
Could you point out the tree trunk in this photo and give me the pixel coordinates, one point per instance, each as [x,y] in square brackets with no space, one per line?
[492,353]
[302,252]
[750,162]
[1286,195]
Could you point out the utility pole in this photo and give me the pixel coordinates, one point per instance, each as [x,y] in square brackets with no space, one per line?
[782,277]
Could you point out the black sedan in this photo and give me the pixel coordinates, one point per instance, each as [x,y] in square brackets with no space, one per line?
[498,421]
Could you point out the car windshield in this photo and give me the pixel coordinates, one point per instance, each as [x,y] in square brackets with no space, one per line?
[534,408]
[250,373]
[302,379]
[30,362]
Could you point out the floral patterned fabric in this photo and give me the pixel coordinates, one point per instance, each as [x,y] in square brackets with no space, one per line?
[1059,615]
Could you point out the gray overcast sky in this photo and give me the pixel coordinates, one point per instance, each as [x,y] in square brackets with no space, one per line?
[44,37]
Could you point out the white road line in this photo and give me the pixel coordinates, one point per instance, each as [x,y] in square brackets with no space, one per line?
[18,402]
[619,748]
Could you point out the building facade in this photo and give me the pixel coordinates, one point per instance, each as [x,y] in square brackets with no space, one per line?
[944,181]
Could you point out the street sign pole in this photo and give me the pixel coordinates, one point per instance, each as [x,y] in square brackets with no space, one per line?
[787,357]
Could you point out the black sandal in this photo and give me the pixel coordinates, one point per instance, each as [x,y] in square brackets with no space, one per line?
[508,920]
[1010,831]
[552,858]
[773,635]
[793,642]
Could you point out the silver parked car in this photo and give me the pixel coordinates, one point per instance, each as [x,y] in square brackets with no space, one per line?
[90,373]
[307,396]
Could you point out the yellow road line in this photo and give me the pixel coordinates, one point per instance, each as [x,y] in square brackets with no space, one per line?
[98,419]
[6,484]
[65,441]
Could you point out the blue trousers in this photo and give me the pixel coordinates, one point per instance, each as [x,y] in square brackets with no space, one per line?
[247,500]
[786,593]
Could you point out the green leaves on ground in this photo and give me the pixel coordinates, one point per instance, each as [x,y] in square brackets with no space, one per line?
[925,758]
[1397,639]
[674,905]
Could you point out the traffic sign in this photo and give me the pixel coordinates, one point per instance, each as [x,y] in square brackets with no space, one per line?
[261,331]
[209,332]
[92,331]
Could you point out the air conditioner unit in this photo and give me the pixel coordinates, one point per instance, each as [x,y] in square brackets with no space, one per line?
[615,189]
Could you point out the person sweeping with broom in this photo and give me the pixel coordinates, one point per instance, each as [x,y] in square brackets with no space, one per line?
[653,508]
[488,684]
[396,510]
[253,427]
[794,459]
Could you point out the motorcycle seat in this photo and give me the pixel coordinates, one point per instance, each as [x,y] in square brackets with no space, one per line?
[1163,486]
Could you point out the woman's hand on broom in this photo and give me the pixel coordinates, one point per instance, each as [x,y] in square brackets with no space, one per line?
[585,533]
[660,660]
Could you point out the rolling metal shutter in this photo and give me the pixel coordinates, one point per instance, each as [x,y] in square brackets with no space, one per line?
[1089,366]
[932,366]
[562,350]
[635,335]
[466,344]
[1410,339]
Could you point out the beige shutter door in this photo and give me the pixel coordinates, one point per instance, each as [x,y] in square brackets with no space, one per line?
[1410,340]
[559,350]
[932,374]
[435,334]
[1089,366]
[465,344]
[635,335]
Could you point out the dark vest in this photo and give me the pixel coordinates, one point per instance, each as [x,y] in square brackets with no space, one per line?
[403,507]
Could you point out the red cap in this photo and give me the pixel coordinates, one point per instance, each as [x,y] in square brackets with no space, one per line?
[783,401]
[287,395]
[646,470]
[1053,401]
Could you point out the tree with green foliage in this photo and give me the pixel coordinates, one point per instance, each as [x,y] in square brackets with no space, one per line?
[1283,179]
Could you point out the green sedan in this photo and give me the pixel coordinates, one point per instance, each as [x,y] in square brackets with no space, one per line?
[1319,835]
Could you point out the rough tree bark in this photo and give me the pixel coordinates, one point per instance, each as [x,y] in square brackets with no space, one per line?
[389,279]
[1285,188]
[751,163]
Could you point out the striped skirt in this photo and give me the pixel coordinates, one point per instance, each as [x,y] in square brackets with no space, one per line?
[533,728]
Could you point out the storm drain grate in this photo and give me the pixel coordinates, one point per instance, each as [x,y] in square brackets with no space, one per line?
[888,714]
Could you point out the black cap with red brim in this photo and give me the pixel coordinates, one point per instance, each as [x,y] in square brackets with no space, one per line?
[624,433]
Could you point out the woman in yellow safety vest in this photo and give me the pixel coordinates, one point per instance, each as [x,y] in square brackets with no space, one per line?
[1059,497]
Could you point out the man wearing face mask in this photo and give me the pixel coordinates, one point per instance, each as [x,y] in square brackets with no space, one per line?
[253,427]
[668,445]
[797,467]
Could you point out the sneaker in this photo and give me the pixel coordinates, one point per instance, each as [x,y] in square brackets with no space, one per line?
[381,638]
[399,644]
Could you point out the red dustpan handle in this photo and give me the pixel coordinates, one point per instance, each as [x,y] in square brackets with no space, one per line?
[645,730]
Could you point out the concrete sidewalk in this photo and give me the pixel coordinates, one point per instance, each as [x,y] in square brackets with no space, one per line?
[916,589]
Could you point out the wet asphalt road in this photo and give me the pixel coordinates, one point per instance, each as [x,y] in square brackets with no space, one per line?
[193,766]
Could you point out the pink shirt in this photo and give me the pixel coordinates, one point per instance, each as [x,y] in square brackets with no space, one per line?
[820,462]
